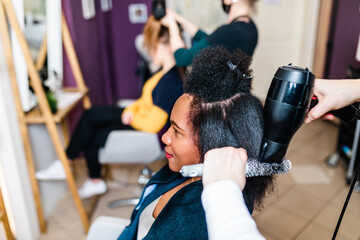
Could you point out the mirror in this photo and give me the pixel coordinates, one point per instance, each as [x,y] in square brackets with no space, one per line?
[35,24]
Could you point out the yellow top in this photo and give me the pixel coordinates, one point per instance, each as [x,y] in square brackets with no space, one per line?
[146,115]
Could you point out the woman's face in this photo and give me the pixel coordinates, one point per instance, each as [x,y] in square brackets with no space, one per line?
[160,53]
[180,147]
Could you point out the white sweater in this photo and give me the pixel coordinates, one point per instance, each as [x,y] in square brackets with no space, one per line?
[227,216]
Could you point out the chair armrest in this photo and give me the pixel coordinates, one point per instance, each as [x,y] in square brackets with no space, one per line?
[107,228]
[123,103]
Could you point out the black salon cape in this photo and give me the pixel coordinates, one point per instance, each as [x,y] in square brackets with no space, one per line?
[183,217]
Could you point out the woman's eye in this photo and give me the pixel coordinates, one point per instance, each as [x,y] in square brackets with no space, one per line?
[176,131]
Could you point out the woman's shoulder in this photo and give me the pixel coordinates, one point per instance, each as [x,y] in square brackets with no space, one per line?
[236,35]
[237,26]
[190,194]
[172,79]
[173,75]
[183,207]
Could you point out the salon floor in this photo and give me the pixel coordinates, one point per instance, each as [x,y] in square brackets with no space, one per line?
[305,205]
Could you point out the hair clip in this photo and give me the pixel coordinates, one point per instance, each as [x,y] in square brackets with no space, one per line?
[247,76]
[231,65]
[239,73]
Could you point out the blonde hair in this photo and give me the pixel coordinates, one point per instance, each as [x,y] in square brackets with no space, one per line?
[154,32]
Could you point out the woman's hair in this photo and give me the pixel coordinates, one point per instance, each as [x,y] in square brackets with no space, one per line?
[154,32]
[223,111]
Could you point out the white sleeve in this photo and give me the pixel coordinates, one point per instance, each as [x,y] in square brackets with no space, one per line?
[227,216]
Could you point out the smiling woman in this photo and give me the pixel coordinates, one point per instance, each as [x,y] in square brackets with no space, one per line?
[180,147]
[216,110]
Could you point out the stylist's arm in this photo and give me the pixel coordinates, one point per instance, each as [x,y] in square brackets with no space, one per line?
[169,20]
[227,216]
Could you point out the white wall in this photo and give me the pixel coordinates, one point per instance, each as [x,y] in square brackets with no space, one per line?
[287,34]
[27,100]
[54,38]
[14,177]
[207,14]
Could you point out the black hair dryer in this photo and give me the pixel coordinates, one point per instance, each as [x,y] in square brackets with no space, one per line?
[159,9]
[286,107]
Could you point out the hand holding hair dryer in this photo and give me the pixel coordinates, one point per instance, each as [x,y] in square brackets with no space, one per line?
[288,101]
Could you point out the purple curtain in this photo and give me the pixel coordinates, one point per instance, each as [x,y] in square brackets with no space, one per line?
[106,52]
[105,49]
[345,40]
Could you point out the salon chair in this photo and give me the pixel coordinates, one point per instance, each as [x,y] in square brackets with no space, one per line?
[131,147]
[136,147]
[107,228]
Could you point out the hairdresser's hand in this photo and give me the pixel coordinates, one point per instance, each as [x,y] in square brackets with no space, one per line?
[127,117]
[332,95]
[226,163]
[172,14]
[187,26]
[169,19]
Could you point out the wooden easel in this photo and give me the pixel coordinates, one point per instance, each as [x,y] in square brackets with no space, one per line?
[42,114]
[4,219]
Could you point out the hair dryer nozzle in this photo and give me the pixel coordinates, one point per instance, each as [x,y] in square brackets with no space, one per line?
[159,9]
[272,151]
[286,106]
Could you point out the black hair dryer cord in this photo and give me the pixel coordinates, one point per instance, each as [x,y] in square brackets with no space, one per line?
[346,201]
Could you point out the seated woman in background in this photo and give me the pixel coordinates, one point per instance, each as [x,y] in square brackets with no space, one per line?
[216,110]
[149,113]
[240,32]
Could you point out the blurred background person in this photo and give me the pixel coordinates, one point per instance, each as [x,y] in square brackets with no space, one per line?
[149,113]
[240,32]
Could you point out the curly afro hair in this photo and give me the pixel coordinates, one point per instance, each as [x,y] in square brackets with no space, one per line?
[224,113]
[211,78]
